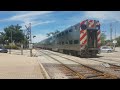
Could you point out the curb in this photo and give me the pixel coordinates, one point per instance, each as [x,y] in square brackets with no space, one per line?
[44,71]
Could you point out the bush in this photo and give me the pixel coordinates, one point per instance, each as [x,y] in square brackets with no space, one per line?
[11,47]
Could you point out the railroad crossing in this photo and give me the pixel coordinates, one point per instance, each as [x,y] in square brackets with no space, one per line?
[46,64]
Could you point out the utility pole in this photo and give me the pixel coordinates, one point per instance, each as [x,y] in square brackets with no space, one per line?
[115,32]
[111,34]
[115,37]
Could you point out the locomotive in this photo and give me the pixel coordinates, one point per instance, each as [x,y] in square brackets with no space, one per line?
[81,39]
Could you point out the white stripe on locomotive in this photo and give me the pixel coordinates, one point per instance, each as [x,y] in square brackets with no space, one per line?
[83,39]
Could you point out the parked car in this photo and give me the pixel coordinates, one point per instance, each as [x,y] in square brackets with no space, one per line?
[106,49]
[3,50]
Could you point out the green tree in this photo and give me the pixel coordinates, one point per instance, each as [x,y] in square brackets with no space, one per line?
[53,33]
[2,38]
[17,34]
[103,37]
[118,41]
[16,31]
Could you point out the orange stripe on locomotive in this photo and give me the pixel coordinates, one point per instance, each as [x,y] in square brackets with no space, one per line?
[83,33]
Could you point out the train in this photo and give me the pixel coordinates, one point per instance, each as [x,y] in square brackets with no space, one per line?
[81,39]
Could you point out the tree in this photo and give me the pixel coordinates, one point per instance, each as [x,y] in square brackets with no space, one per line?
[118,41]
[2,38]
[53,33]
[13,33]
[48,34]
[16,31]
[103,37]
[56,32]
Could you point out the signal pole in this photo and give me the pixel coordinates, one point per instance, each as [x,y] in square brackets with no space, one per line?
[30,38]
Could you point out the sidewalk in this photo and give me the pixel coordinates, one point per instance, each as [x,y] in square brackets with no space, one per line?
[19,67]
[25,52]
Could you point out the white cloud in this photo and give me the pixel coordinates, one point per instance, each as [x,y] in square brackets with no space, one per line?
[29,17]
[39,37]
[35,23]
[21,15]
[103,15]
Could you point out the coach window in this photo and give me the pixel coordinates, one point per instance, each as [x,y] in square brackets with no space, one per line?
[76,41]
[62,43]
[73,28]
[66,32]
[77,27]
[70,42]
[62,33]
[66,42]
[70,30]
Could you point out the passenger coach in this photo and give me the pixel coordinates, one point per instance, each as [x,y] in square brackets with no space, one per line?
[81,39]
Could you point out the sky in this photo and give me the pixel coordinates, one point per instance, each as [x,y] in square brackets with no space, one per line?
[43,22]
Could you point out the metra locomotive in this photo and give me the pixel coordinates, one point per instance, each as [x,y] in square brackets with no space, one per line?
[81,39]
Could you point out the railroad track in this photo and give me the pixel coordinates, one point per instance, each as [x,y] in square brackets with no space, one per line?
[107,64]
[83,71]
[71,74]
[111,60]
